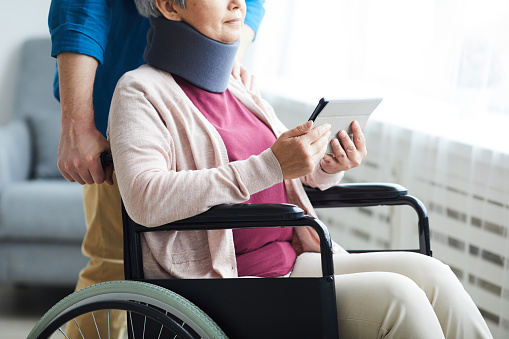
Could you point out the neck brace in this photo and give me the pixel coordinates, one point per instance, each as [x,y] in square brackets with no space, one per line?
[178,48]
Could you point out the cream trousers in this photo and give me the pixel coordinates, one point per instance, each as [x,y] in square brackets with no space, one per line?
[398,295]
[378,295]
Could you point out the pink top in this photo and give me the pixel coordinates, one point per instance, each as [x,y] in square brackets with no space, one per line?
[259,252]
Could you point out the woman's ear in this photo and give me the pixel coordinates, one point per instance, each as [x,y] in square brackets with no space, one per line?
[168,9]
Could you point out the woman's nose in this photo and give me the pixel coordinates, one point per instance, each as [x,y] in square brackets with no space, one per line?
[235,4]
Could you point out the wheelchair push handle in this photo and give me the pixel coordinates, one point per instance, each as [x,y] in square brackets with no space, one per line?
[106,159]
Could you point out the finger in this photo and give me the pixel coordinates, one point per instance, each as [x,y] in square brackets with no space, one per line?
[319,148]
[97,172]
[299,130]
[80,172]
[86,176]
[318,132]
[109,175]
[71,173]
[245,76]
[358,136]
[339,153]
[352,154]
[324,144]
[66,175]
[77,178]
[236,69]
[326,161]
[347,143]
[321,143]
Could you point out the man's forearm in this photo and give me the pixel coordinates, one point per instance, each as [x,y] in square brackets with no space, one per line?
[80,142]
[76,81]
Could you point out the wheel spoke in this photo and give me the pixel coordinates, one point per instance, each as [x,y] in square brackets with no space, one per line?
[96,327]
[60,329]
[144,326]
[129,315]
[161,330]
[109,330]
[79,329]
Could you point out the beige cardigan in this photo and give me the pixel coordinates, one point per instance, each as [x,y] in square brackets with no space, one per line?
[171,164]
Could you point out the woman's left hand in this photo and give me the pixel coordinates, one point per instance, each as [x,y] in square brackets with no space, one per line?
[347,154]
[249,80]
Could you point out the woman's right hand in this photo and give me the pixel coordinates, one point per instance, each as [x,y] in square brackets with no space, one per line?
[299,149]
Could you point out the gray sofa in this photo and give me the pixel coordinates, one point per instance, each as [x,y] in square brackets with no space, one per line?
[41,214]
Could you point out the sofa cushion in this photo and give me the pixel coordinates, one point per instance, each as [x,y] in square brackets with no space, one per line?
[45,127]
[42,211]
[41,263]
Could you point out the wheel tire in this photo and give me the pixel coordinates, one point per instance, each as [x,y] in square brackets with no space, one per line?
[101,295]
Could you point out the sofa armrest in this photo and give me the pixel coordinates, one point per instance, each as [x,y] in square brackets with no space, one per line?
[15,152]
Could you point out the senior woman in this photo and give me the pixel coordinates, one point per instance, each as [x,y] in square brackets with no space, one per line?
[186,136]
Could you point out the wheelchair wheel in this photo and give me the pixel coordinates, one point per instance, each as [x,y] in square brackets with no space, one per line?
[152,312]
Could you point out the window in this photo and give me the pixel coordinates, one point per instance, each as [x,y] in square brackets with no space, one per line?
[441,65]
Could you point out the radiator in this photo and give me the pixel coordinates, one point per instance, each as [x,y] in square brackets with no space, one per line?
[466,192]
[464,188]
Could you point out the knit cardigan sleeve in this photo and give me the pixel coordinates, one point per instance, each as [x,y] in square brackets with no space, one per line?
[170,162]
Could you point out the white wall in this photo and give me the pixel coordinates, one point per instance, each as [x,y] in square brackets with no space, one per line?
[19,20]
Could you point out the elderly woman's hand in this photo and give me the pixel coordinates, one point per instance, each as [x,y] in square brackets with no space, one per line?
[347,154]
[299,149]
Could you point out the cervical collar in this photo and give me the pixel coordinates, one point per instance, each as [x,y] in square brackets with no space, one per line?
[178,48]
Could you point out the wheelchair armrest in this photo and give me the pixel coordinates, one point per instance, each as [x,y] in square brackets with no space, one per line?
[373,194]
[346,194]
[234,216]
[246,212]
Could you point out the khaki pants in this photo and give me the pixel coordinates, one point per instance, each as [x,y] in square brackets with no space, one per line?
[398,295]
[103,244]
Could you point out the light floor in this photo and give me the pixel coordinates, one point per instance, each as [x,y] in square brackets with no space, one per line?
[21,307]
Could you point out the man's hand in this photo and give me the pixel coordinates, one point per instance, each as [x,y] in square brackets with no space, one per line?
[249,80]
[79,153]
[347,154]
[81,144]
[239,71]
[299,149]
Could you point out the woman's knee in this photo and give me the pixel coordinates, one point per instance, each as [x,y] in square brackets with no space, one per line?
[388,302]
[431,274]
[427,272]
[380,288]
[398,288]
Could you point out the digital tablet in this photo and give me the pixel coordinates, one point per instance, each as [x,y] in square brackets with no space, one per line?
[340,113]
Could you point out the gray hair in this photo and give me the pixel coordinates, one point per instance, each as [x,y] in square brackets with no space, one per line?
[148,8]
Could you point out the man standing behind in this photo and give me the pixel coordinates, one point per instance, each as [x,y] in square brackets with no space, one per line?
[95,43]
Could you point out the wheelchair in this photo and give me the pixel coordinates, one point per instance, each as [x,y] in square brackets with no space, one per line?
[239,308]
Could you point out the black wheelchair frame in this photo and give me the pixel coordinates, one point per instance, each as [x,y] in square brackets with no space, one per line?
[247,308]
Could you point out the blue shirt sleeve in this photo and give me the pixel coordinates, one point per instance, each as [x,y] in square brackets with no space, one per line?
[254,14]
[79,26]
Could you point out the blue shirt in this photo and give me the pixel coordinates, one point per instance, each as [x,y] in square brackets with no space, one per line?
[115,34]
